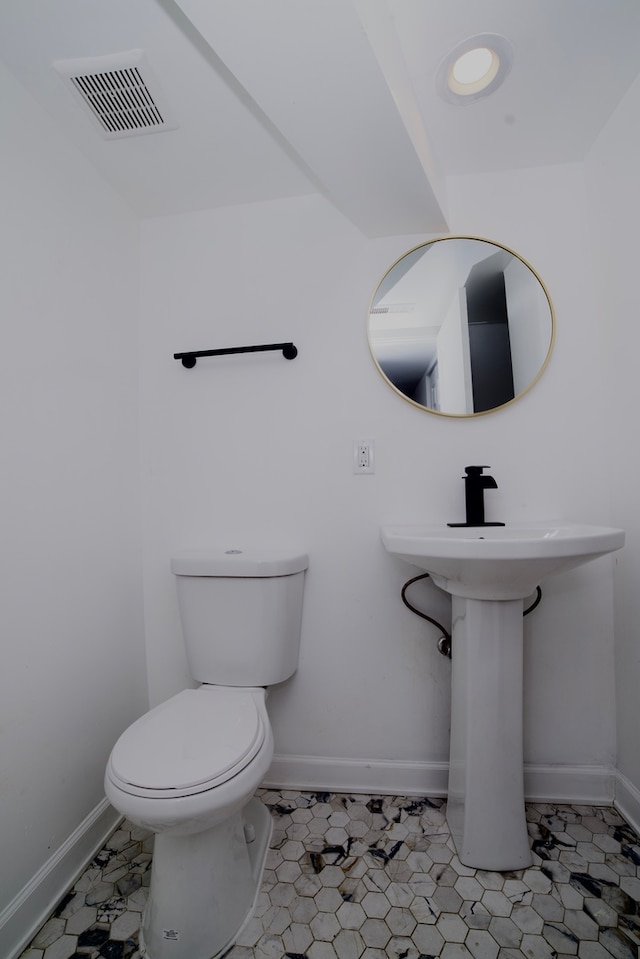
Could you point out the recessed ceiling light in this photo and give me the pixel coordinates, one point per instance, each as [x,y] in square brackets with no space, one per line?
[475,68]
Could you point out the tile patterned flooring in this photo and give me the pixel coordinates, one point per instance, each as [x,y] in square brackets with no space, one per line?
[377,877]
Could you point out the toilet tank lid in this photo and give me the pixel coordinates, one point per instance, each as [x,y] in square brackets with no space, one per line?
[238,560]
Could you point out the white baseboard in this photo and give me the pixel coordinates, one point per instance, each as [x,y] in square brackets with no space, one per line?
[627,801]
[585,785]
[563,784]
[324,773]
[33,905]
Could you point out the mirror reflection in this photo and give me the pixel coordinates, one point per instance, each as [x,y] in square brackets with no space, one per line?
[461,326]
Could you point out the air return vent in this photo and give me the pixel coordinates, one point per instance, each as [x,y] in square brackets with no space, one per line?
[119,93]
[394,308]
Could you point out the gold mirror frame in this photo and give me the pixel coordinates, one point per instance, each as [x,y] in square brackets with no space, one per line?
[511,334]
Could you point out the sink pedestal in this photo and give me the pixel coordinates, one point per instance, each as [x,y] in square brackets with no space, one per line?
[485,807]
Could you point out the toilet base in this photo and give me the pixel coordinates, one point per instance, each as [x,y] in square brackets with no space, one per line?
[204,886]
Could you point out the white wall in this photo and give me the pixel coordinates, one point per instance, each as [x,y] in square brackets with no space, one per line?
[73,671]
[454,357]
[259,447]
[614,203]
[529,341]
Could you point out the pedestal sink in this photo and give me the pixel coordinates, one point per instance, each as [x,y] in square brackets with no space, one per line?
[490,570]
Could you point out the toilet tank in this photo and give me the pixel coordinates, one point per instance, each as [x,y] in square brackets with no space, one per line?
[241,613]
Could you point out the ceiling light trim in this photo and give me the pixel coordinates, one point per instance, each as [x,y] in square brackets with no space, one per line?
[463,93]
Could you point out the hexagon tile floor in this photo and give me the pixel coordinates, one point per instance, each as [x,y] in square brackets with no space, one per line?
[371,877]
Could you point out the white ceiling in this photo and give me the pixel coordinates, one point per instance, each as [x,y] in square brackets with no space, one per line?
[279,98]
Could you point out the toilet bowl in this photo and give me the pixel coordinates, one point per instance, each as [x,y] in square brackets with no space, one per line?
[188,769]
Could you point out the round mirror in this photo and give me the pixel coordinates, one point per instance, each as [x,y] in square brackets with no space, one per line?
[461,326]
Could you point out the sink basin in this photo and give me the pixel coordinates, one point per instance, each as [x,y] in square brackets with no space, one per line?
[498,562]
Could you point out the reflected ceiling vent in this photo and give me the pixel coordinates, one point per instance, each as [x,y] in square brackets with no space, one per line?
[394,308]
[119,92]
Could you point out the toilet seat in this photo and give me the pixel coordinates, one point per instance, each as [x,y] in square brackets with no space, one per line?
[191,743]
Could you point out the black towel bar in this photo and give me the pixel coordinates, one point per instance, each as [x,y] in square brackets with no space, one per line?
[289,352]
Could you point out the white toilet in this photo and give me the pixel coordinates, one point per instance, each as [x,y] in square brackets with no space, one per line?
[188,769]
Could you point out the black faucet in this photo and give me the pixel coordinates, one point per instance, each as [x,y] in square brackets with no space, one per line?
[475,483]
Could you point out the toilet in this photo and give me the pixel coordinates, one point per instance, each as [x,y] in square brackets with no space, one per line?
[188,769]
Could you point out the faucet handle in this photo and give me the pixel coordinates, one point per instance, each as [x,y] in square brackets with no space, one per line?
[475,470]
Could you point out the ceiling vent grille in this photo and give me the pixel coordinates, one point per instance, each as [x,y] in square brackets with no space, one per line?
[119,93]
